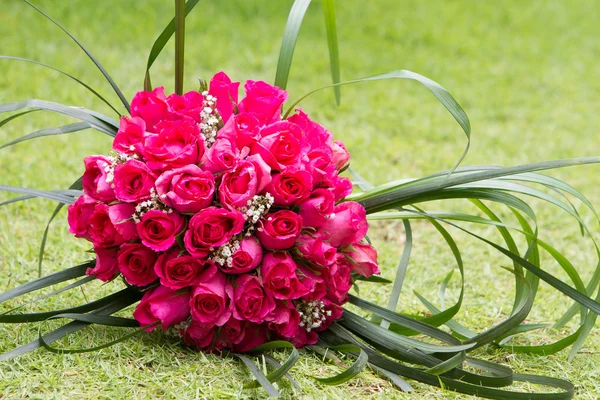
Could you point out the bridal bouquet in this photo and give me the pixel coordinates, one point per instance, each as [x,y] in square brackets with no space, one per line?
[238,227]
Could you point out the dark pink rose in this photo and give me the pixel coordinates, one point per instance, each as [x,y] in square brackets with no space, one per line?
[316,134]
[187,189]
[278,273]
[246,258]
[248,299]
[318,161]
[222,156]
[348,225]
[158,229]
[168,306]
[238,185]
[241,130]
[281,145]
[339,185]
[263,100]
[209,302]
[177,144]
[363,259]
[315,249]
[102,231]
[133,181]
[338,279]
[211,228]
[284,319]
[121,216]
[190,104]
[130,135]
[290,187]
[314,284]
[136,263]
[340,154]
[79,215]
[94,178]
[279,230]
[317,208]
[177,271]
[199,335]
[254,335]
[151,107]
[106,264]
[308,335]
[226,93]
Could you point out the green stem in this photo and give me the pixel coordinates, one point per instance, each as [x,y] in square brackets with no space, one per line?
[179,44]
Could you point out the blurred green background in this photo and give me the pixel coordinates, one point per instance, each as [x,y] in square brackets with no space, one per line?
[525,72]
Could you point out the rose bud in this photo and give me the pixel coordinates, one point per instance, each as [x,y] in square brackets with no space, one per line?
[315,134]
[177,144]
[246,258]
[189,105]
[136,263]
[177,271]
[290,187]
[340,154]
[211,228]
[209,301]
[248,299]
[79,214]
[187,189]
[199,335]
[279,230]
[263,100]
[151,107]
[317,208]
[315,249]
[226,93]
[363,258]
[167,306]
[348,225]
[278,273]
[95,177]
[222,156]
[133,181]
[102,231]
[130,135]
[158,229]
[121,216]
[106,264]
[338,279]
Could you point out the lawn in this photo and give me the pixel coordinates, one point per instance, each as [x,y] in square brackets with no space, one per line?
[525,72]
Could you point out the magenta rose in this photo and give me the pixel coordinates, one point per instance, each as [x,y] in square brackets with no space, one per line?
[199,335]
[278,272]
[136,263]
[284,319]
[130,135]
[348,225]
[158,229]
[164,305]
[226,93]
[263,100]
[177,144]
[315,249]
[305,336]
[79,214]
[187,189]
[254,335]
[248,299]
[290,187]
[189,105]
[241,130]
[281,145]
[94,178]
[246,258]
[209,301]
[339,185]
[211,228]
[317,208]
[121,216]
[151,107]
[106,264]
[318,161]
[279,230]
[177,271]
[363,259]
[222,156]
[238,185]
[340,154]
[338,279]
[314,284]
[315,134]
[133,181]
[102,230]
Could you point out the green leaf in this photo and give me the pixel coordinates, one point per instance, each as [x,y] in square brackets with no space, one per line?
[332,43]
[287,365]
[260,377]
[179,45]
[78,126]
[44,194]
[350,372]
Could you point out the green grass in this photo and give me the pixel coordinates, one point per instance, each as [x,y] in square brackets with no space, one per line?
[525,72]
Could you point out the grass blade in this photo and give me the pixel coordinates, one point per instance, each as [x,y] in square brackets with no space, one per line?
[61,130]
[332,43]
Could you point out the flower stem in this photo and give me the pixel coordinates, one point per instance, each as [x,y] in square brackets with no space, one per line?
[179,44]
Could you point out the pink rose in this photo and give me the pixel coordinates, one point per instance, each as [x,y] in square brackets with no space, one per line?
[177,271]
[314,284]
[263,100]
[79,214]
[238,185]
[363,259]
[136,263]
[348,225]
[209,302]
[338,279]
[318,161]
[284,319]
[199,335]
[121,216]
[151,107]
[246,258]
[248,299]
[290,187]
[241,130]
[187,189]
[226,93]
[279,230]
[189,105]
[281,145]
[222,156]
[315,249]
[177,144]
[133,181]
[94,178]
[106,264]
[130,135]
[339,185]
[254,335]
[211,228]
[102,231]
[168,306]
[158,229]
[317,208]
[316,134]
[340,154]
[328,312]
[278,272]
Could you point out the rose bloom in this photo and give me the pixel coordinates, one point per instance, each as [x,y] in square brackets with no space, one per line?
[211,228]
[279,230]
[284,319]
[136,263]
[281,145]
[278,272]
[121,216]
[238,185]
[106,264]
[151,107]
[241,130]
[177,144]
[248,299]
[177,271]
[290,187]
[340,154]
[189,105]
[348,225]
[226,93]
[187,189]
[102,231]
[133,181]
[246,258]
[315,134]
[317,208]
[263,100]
[158,229]
[209,301]
[167,306]
[340,186]
[94,179]
[222,156]
[130,135]
[199,335]
[314,248]
[318,161]
[363,258]
[338,279]
[79,214]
